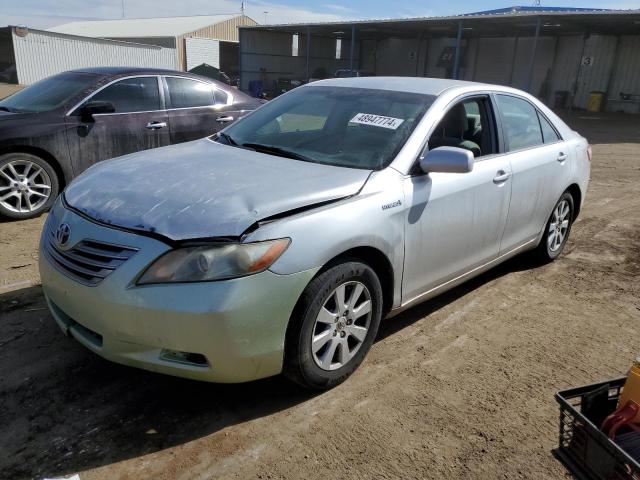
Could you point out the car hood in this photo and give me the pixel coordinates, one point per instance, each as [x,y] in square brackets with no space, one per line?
[203,189]
[17,116]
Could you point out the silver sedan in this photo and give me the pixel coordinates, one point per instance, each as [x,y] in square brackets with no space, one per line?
[279,244]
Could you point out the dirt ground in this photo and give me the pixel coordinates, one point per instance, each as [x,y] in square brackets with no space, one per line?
[459,387]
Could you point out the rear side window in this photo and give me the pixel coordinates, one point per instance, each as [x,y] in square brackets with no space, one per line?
[549,134]
[221,97]
[520,123]
[185,93]
[139,94]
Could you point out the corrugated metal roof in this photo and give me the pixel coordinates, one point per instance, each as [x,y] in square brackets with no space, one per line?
[520,8]
[479,15]
[141,27]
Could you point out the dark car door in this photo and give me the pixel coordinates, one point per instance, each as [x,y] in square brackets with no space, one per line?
[139,122]
[197,109]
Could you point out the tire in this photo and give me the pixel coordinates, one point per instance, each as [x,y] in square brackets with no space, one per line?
[556,235]
[26,197]
[318,315]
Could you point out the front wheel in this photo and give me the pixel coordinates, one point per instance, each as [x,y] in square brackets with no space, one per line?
[333,326]
[28,185]
[557,229]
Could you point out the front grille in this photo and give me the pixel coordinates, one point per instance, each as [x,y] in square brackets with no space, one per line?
[89,261]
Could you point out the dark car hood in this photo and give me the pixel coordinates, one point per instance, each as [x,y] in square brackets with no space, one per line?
[203,189]
[15,116]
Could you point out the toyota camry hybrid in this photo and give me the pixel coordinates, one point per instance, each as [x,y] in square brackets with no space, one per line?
[279,244]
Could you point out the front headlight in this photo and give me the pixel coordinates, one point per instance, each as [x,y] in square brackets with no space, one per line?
[214,262]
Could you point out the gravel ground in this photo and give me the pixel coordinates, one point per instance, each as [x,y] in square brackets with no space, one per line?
[459,387]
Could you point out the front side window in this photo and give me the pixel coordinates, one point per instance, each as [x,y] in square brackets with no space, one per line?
[50,93]
[466,125]
[520,123]
[186,93]
[350,127]
[139,94]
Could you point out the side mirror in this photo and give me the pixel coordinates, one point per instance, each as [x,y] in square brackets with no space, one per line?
[92,108]
[447,160]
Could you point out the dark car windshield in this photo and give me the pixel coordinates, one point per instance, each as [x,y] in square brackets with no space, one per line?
[350,127]
[48,94]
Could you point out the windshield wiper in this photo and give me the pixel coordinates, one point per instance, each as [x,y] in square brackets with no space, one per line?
[227,138]
[6,109]
[281,152]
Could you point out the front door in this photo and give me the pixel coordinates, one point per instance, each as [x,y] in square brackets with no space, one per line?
[138,123]
[456,220]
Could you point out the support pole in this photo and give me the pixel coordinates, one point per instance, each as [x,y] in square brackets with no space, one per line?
[352,47]
[308,52]
[456,60]
[533,55]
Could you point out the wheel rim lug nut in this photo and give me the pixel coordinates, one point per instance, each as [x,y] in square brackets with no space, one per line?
[342,334]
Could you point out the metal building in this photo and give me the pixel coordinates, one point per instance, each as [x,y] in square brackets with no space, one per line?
[210,39]
[28,55]
[558,54]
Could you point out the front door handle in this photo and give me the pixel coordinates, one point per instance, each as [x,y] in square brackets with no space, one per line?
[562,157]
[501,176]
[224,119]
[156,125]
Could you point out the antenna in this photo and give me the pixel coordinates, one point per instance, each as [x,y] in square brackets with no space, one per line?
[122,8]
[242,8]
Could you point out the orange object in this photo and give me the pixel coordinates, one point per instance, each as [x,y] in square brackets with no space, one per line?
[628,411]
[631,389]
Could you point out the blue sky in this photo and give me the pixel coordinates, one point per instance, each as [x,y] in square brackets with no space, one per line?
[45,13]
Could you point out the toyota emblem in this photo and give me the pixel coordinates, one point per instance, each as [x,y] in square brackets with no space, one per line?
[62,234]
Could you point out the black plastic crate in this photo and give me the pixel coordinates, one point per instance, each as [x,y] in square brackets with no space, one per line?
[583,448]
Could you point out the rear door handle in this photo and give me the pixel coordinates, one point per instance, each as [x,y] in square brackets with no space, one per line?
[501,176]
[562,157]
[156,125]
[224,119]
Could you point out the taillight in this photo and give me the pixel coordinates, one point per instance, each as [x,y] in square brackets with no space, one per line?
[589,152]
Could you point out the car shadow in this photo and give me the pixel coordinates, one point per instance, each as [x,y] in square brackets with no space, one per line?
[421,310]
[66,410]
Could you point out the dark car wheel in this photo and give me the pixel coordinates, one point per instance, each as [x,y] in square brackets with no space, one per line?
[557,229]
[28,185]
[333,326]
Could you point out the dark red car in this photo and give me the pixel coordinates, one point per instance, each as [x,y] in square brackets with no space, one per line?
[53,130]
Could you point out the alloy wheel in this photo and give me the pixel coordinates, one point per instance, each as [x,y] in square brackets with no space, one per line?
[341,325]
[559,226]
[24,186]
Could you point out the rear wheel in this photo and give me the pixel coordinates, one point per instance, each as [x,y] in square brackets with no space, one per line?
[28,185]
[557,229]
[333,326]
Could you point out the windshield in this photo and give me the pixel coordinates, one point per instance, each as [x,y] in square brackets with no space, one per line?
[48,94]
[348,127]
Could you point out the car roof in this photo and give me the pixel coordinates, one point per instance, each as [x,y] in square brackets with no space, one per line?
[428,86]
[117,71]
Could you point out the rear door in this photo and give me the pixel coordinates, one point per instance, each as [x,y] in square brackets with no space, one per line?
[139,122]
[539,161]
[196,109]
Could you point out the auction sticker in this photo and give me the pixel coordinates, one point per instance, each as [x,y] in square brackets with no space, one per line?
[377,120]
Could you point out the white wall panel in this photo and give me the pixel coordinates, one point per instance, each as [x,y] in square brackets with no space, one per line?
[41,54]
